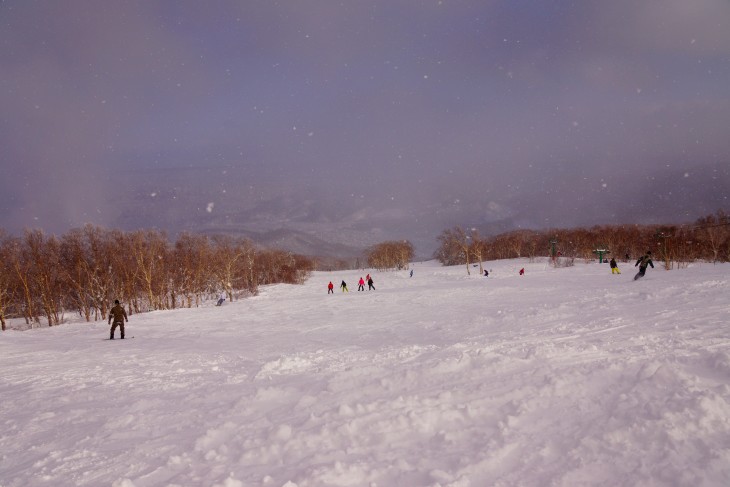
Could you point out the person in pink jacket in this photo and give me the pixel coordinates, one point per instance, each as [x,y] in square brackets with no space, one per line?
[361,284]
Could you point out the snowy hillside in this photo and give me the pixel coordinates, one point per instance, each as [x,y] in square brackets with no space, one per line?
[562,377]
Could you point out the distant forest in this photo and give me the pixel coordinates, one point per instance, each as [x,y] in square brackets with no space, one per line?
[707,239]
[83,271]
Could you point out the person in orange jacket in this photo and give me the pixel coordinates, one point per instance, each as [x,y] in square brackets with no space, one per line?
[330,288]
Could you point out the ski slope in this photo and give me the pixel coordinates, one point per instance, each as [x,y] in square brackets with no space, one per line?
[560,377]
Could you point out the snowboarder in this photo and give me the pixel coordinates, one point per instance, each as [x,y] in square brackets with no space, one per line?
[370,284]
[361,284]
[411,273]
[120,316]
[343,286]
[330,288]
[614,266]
[486,273]
[522,271]
[221,298]
[643,262]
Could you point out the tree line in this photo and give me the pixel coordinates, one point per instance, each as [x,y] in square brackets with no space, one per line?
[44,276]
[707,239]
[83,271]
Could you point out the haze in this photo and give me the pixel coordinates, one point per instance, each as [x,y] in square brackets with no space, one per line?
[355,122]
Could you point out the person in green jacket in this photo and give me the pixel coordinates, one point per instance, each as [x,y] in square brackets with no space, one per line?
[119,316]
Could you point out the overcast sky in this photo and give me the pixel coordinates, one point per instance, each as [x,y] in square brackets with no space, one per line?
[543,112]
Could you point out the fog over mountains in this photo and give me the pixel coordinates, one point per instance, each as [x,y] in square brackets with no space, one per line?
[342,220]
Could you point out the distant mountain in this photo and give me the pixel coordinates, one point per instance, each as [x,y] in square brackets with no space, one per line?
[338,222]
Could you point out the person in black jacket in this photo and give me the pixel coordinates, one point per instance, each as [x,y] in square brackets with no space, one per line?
[643,262]
[614,267]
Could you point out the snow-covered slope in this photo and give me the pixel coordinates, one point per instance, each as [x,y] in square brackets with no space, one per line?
[560,377]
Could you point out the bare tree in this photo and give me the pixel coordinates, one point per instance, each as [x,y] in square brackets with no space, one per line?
[190,273]
[453,248]
[390,255]
[43,260]
[714,231]
[149,249]
[8,284]
[233,264]
[478,249]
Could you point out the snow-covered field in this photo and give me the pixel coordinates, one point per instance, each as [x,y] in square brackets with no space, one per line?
[562,377]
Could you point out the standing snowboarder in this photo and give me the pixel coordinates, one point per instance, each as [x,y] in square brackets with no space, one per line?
[643,262]
[120,316]
[614,267]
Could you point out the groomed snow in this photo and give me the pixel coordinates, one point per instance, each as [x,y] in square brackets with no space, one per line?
[560,377]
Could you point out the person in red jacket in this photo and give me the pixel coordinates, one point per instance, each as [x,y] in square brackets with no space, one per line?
[330,288]
[522,271]
[361,284]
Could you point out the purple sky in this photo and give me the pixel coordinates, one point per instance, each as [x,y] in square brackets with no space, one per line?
[394,114]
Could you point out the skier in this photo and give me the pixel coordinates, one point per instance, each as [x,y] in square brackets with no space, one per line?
[370,284]
[522,271]
[614,267]
[120,316]
[643,262]
[330,288]
[361,284]
[221,298]
[343,286]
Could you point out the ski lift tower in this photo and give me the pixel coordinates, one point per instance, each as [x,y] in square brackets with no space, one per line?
[600,253]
